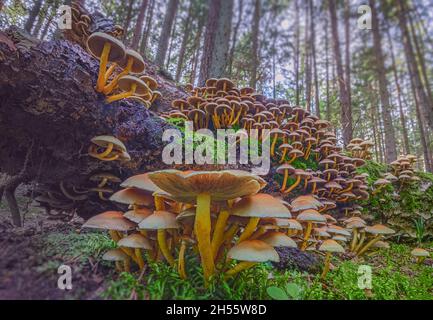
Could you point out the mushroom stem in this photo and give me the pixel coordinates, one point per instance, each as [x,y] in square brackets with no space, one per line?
[218,234]
[283,156]
[293,158]
[307,236]
[274,142]
[293,186]
[159,203]
[103,67]
[202,228]
[119,267]
[124,95]
[420,260]
[127,264]
[139,258]
[239,267]
[162,242]
[286,177]
[112,85]
[110,71]
[114,235]
[181,261]
[354,240]
[259,232]
[326,266]
[249,229]
[360,243]
[369,244]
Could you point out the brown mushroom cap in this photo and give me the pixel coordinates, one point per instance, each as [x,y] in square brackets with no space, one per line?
[136,241]
[159,220]
[137,215]
[132,196]
[96,42]
[115,255]
[419,252]
[140,181]
[137,64]
[221,185]
[305,202]
[104,141]
[110,220]
[278,239]
[253,251]
[311,215]
[126,82]
[260,205]
[379,229]
[331,246]
[151,83]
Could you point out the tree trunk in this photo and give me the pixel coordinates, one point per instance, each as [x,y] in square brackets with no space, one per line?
[196,48]
[33,15]
[138,31]
[48,22]
[347,49]
[297,49]
[170,47]
[235,37]
[255,43]
[216,40]
[313,53]
[307,58]
[42,16]
[390,145]
[185,39]
[328,104]
[164,37]
[146,33]
[128,18]
[346,112]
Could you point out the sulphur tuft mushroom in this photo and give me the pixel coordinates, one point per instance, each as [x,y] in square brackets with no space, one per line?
[329,246]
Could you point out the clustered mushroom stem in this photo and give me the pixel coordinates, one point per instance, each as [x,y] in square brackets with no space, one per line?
[127,264]
[218,234]
[420,260]
[181,261]
[326,266]
[112,85]
[107,151]
[110,71]
[119,267]
[286,177]
[360,243]
[354,240]
[369,244]
[249,229]
[114,235]
[159,203]
[202,229]
[293,186]
[293,158]
[103,67]
[124,95]
[139,258]
[239,267]
[307,236]
[283,156]
[162,242]
[274,142]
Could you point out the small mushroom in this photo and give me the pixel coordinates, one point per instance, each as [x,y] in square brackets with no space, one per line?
[129,85]
[329,246]
[420,254]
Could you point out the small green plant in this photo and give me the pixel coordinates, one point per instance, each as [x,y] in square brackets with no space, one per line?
[419,229]
[291,292]
[124,287]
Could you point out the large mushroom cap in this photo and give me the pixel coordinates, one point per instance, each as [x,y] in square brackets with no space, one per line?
[126,82]
[305,202]
[261,205]
[331,246]
[137,61]
[137,215]
[132,196]
[115,255]
[253,251]
[379,229]
[160,220]
[140,181]
[311,215]
[135,240]
[96,42]
[278,239]
[220,185]
[110,220]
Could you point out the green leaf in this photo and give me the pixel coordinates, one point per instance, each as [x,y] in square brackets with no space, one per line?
[277,293]
[293,290]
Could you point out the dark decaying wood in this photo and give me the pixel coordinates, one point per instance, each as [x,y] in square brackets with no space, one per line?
[47,99]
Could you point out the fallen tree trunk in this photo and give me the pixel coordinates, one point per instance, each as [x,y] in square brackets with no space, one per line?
[49,111]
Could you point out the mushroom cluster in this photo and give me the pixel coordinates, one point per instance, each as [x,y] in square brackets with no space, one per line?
[120,71]
[108,148]
[403,170]
[359,148]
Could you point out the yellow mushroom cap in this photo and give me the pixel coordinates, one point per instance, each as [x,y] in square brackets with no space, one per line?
[132,196]
[278,239]
[331,246]
[419,252]
[260,205]
[137,215]
[253,251]
[142,182]
[110,220]
[115,255]
[379,229]
[104,141]
[96,42]
[159,220]
[220,185]
[135,240]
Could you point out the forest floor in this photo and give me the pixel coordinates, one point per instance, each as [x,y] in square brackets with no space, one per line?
[30,257]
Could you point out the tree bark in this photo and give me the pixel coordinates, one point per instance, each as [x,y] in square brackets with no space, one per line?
[313,53]
[164,37]
[170,47]
[138,31]
[347,49]
[216,40]
[196,48]
[33,15]
[235,37]
[185,39]
[307,58]
[146,33]
[255,43]
[296,58]
[390,145]
[346,110]
[128,18]
[328,104]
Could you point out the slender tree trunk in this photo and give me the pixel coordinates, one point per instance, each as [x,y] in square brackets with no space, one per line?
[34,12]
[185,39]
[48,22]
[406,144]
[196,48]
[235,36]
[255,43]
[138,31]
[216,42]
[128,18]
[347,49]
[346,112]
[147,31]
[170,47]
[328,103]
[313,53]
[390,145]
[297,49]
[307,57]
[41,18]
[164,37]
